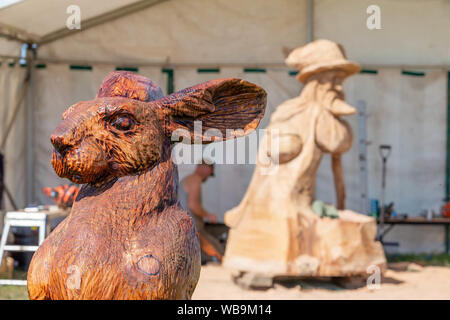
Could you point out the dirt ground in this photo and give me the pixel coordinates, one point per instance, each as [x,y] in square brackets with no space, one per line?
[424,283]
[215,283]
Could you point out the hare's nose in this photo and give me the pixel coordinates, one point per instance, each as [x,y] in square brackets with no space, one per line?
[60,144]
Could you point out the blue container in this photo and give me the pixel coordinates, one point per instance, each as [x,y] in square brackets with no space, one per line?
[374,208]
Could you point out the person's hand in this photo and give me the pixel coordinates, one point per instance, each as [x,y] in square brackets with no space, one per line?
[211,218]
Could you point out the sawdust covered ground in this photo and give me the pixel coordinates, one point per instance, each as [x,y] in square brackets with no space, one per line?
[425,283]
[215,283]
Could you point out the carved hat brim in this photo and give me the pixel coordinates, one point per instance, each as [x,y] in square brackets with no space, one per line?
[347,66]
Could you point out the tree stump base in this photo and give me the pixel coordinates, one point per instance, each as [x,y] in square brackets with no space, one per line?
[339,248]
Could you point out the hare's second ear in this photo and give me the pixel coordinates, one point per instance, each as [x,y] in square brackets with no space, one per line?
[129,85]
[219,105]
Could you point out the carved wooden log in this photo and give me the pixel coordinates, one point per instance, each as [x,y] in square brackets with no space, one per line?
[274,230]
[126,236]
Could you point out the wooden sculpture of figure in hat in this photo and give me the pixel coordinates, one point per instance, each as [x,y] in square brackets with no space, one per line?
[274,230]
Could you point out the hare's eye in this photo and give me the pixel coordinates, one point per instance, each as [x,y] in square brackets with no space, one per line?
[123,123]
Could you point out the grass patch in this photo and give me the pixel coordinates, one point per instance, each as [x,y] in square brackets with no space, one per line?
[14,292]
[442,260]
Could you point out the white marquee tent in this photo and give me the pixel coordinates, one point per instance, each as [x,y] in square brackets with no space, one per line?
[178,43]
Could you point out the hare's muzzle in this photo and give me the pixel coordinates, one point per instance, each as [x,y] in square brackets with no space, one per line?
[61,146]
[81,161]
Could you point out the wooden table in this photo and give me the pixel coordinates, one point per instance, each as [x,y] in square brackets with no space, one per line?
[445,222]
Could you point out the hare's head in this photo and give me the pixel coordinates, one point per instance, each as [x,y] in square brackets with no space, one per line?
[122,131]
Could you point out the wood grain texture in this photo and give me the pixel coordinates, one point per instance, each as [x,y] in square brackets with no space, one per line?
[127,237]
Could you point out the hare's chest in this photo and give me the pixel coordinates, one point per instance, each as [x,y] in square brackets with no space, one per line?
[108,243]
[90,263]
[157,257]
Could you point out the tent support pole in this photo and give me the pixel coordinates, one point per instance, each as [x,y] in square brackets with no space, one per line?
[310,21]
[30,194]
[447,169]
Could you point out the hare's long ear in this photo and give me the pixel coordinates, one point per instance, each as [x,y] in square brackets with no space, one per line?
[219,105]
[129,85]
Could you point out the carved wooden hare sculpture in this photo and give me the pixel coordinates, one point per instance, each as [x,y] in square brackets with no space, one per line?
[127,237]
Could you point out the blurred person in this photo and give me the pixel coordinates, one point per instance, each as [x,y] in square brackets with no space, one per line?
[190,197]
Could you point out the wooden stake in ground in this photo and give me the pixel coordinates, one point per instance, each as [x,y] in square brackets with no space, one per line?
[274,230]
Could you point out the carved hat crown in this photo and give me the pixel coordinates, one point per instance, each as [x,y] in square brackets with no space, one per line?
[319,56]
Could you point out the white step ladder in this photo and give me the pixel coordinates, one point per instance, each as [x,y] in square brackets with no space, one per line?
[21,219]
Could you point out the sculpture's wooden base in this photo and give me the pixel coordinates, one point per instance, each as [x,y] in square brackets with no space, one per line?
[343,247]
[259,281]
[250,280]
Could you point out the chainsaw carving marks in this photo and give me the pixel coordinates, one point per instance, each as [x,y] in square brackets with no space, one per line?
[127,236]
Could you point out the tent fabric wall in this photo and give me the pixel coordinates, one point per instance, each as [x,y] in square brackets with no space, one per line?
[415,179]
[409,113]
[9,47]
[11,79]
[404,111]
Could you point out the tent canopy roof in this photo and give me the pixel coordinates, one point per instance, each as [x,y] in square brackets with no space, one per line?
[45,20]
[233,32]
